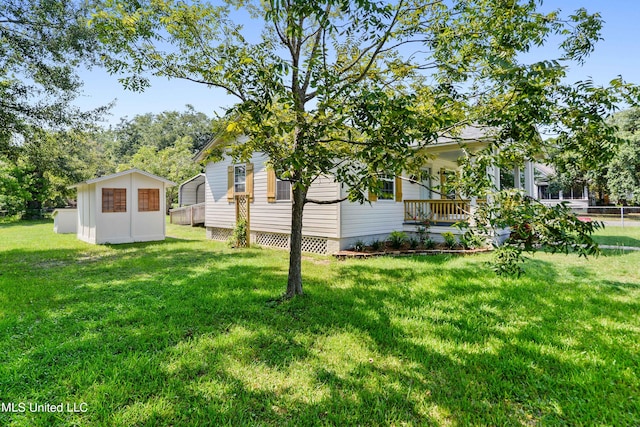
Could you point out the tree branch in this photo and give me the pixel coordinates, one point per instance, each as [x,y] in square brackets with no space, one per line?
[325,202]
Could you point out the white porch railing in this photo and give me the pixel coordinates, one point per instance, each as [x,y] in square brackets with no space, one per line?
[437,210]
[188,215]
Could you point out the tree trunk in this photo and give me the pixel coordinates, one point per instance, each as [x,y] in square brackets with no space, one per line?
[294,282]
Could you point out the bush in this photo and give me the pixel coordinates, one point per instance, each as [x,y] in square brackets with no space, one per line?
[397,238]
[472,241]
[239,239]
[429,244]
[376,245]
[413,243]
[358,246]
[450,240]
[423,233]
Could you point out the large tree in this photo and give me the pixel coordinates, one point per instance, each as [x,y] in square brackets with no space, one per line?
[41,44]
[354,89]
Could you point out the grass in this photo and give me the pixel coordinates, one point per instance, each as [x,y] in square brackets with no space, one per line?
[619,236]
[186,332]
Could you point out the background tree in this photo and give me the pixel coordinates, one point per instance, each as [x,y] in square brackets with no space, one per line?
[623,176]
[160,131]
[43,166]
[41,43]
[354,89]
[174,162]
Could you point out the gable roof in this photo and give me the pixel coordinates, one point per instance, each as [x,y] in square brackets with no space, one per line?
[123,173]
[469,135]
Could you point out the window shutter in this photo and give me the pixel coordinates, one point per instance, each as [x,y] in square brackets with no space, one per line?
[271,185]
[249,182]
[373,197]
[398,189]
[230,184]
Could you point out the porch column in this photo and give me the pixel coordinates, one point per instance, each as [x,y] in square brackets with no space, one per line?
[516,178]
[473,207]
[493,172]
[529,181]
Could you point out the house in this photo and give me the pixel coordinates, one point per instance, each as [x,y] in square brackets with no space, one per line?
[125,207]
[329,228]
[550,193]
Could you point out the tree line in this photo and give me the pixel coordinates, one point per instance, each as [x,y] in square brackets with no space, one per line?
[36,173]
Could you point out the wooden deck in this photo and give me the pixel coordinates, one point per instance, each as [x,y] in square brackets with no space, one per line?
[188,215]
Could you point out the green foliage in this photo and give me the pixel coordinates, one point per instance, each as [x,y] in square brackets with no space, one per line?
[42,43]
[471,240]
[377,244]
[239,236]
[534,226]
[623,176]
[507,260]
[42,168]
[359,246]
[397,238]
[423,232]
[413,243]
[174,162]
[450,239]
[428,243]
[159,131]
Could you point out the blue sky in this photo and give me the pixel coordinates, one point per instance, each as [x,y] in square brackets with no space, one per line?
[617,54]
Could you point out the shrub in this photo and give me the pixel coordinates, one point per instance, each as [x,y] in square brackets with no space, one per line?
[239,239]
[450,240]
[423,233]
[376,245]
[397,238]
[413,243]
[472,241]
[429,244]
[358,246]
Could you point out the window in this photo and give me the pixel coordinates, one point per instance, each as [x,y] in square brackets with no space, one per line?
[114,200]
[148,199]
[283,190]
[239,178]
[387,190]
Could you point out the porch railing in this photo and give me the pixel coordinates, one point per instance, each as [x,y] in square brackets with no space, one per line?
[188,215]
[437,210]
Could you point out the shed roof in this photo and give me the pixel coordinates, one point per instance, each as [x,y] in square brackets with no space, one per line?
[123,173]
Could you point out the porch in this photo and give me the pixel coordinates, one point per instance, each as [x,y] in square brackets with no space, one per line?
[188,215]
[440,212]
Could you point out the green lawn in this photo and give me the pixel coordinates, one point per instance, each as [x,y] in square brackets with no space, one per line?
[185,332]
[619,236]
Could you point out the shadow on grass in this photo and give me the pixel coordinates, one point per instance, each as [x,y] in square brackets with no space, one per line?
[186,337]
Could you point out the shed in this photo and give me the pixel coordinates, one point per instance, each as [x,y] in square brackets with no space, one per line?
[191,192]
[65,221]
[125,207]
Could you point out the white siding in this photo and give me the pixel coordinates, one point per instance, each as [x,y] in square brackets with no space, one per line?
[375,218]
[319,220]
[147,226]
[86,213]
[113,227]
